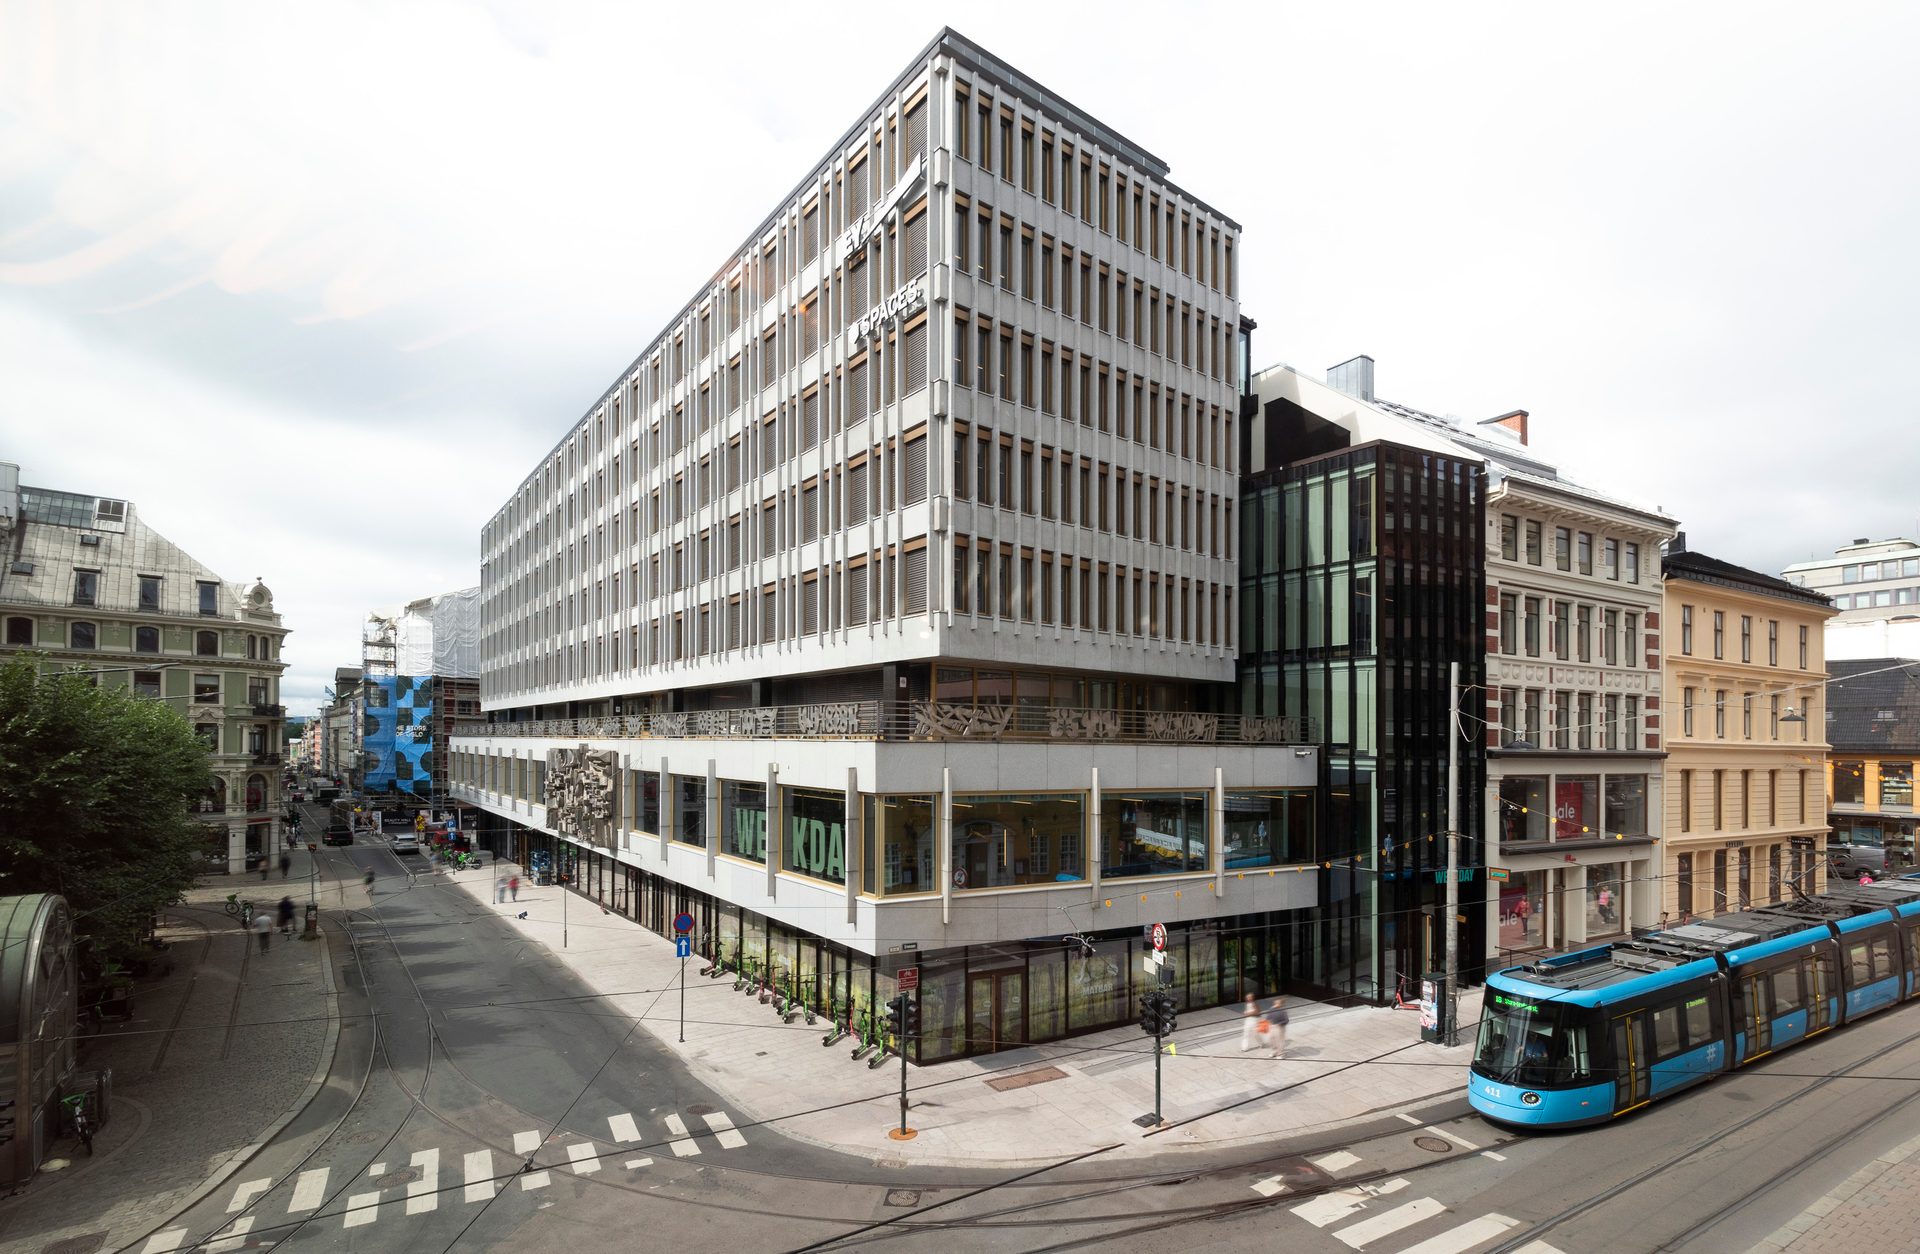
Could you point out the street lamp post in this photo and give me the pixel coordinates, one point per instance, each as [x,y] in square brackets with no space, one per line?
[1452,994]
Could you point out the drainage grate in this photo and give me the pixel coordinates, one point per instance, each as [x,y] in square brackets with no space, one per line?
[85,1243]
[1433,1144]
[1023,1079]
[701,1108]
[903,1197]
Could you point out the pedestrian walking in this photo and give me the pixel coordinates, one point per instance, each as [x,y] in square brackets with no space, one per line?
[1520,912]
[1277,1026]
[286,865]
[266,866]
[263,928]
[1249,1025]
[286,916]
[513,886]
[500,892]
[367,879]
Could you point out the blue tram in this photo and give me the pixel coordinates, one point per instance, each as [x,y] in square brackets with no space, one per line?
[1582,1037]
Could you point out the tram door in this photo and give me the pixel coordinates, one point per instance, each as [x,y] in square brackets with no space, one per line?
[1820,1013]
[1632,1062]
[1758,1017]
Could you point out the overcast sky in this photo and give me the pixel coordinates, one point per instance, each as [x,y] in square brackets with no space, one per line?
[315,285]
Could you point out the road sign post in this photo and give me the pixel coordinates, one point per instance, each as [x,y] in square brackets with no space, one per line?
[682,946]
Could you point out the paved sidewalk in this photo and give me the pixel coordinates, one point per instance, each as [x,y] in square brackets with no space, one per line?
[1340,1065]
[220,1054]
[1871,1210]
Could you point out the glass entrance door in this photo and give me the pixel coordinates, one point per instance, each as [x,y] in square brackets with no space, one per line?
[996,1011]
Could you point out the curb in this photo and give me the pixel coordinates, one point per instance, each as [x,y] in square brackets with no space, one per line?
[240,1157]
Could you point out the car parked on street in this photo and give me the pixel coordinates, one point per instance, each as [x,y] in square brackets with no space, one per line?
[1853,861]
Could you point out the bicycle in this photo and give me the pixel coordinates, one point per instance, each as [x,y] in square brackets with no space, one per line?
[240,909]
[79,1109]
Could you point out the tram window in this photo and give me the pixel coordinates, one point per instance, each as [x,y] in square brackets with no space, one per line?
[1786,991]
[1666,1032]
[1699,1022]
[1913,948]
[1859,965]
[1881,950]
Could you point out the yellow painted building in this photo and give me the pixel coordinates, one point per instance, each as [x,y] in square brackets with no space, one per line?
[1745,680]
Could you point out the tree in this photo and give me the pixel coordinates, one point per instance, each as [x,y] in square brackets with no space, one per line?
[95,789]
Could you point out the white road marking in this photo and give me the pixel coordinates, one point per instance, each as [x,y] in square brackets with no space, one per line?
[639,1162]
[378,1169]
[1384,1187]
[310,1190]
[244,1195]
[1268,1187]
[1498,1158]
[1329,1207]
[623,1128]
[161,1242]
[1418,1123]
[1537,1247]
[535,1180]
[233,1238]
[1457,1139]
[424,1194]
[1335,1162]
[479,1176]
[682,1147]
[1389,1222]
[362,1209]
[586,1159]
[525,1143]
[1465,1237]
[723,1129]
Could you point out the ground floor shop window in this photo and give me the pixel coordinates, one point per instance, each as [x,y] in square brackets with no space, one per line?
[690,810]
[1606,912]
[1152,833]
[1523,910]
[1626,805]
[899,846]
[1269,828]
[1575,806]
[1003,839]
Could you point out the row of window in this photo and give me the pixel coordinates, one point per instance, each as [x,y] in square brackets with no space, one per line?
[83,635]
[1572,807]
[1521,539]
[1576,628]
[86,590]
[992,580]
[1799,871]
[862,590]
[1735,805]
[1719,621]
[1026,371]
[1775,711]
[1021,148]
[1866,572]
[1000,248]
[1879,599]
[1020,476]
[1850,782]
[1558,719]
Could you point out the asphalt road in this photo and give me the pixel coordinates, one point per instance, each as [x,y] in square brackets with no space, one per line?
[481,1099]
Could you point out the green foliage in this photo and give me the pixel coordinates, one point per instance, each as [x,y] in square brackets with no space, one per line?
[95,786]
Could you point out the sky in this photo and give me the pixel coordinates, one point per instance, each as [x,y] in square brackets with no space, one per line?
[315,285]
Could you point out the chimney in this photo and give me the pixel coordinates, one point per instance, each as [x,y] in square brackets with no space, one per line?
[1678,544]
[1516,422]
[9,492]
[1353,376]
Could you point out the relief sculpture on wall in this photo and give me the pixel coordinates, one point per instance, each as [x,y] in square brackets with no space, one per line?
[580,792]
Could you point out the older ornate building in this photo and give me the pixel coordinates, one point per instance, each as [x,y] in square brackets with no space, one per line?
[91,587]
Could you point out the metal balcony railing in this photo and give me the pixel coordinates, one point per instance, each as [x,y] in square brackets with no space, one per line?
[917,720]
[262,709]
[266,759]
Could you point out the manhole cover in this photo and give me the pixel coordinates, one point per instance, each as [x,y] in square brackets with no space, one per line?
[903,1197]
[395,1178]
[1039,1075]
[85,1243]
[700,1108]
[1433,1144]
[364,1138]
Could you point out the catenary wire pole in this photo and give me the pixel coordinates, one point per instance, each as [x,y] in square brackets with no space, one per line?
[1451,1034]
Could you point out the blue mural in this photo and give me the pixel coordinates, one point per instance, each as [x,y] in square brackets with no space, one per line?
[398,735]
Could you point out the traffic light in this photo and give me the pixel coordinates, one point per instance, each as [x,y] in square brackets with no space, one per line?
[1168,1013]
[1149,1015]
[913,1016]
[897,1015]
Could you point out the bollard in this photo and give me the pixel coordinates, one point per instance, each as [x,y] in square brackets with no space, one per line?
[312,930]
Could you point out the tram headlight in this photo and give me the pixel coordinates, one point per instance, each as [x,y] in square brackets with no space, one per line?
[1529,1099]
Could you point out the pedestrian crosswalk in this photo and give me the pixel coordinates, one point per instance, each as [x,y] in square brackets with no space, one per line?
[1368,1216]
[483,1173]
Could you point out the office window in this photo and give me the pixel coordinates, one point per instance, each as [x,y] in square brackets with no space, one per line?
[1746,637]
[1510,537]
[206,643]
[1583,632]
[1562,628]
[1686,801]
[1773,642]
[1533,627]
[146,640]
[20,631]
[1610,558]
[1533,542]
[1719,633]
[1803,648]
[149,592]
[81,636]
[1686,630]
[1562,548]
[209,598]
[1720,713]
[86,586]
[1633,563]
[1686,711]
[1746,715]
[206,689]
[1509,623]
[1584,550]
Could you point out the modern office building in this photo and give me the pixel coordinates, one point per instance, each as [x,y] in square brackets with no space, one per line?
[90,586]
[1875,586]
[1361,570]
[1745,788]
[881,612]
[1873,726]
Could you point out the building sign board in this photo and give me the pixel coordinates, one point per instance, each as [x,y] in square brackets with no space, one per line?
[909,298]
[869,223]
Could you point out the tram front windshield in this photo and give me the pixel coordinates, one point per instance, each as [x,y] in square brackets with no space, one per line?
[1532,1042]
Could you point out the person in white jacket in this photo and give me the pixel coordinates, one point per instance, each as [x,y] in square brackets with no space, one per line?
[1249,1025]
